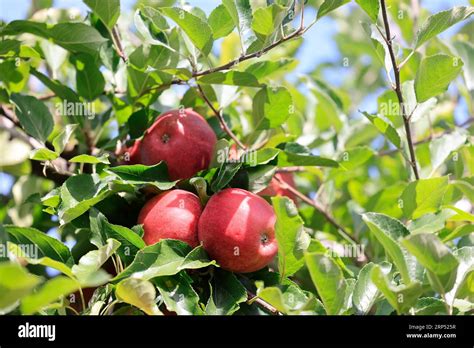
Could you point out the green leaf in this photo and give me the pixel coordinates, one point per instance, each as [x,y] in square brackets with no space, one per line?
[385,128]
[365,291]
[33,115]
[232,78]
[90,82]
[441,21]
[429,306]
[14,77]
[263,156]
[151,58]
[226,294]
[167,257]
[197,30]
[461,214]
[266,20]
[429,223]
[87,271]
[60,141]
[9,47]
[226,173]
[44,261]
[431,252]
[15,283]
[139,174]
[441,148]
[388,232]
[130,242]
[354,158]
[330,5]
[292,240]
[178,295]
[23,26]
[266,68]
[423,196]
[435,74]
[139,293]
[79,193]
[260,177]
[290,159]
[327,113]
[221,22]
[241,13]
[107,10]
[272,107]
[90,159]
[329,281]
[63,92]
[458,232]
[290,299]
[47,246]
[401,297]
[77,37]
[51,291]
[371,7]
[466,51]
[155,18]
[464,277]
[43,154]
[465,187]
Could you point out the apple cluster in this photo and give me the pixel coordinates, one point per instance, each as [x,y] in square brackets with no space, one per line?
[236,227]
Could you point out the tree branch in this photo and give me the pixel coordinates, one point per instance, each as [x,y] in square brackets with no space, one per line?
[55,170]
[261,303]
[398,90]
[118,43]
[219,115]
[427,139]
[319,208]
[245,57]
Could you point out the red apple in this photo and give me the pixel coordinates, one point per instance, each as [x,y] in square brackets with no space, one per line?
[181,138]
[236,229]
[276,189]
[172,214]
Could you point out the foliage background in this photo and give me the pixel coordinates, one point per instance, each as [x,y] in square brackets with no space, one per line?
[424,267]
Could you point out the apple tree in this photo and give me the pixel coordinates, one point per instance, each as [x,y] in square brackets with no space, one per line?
[365,185]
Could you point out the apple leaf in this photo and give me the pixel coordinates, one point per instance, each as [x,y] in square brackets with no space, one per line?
[423,196]
[292,240]
[15,284]
[33,115]
[165,258]
[51,291]
[139,293]
[401,297]
[328,280]
[388,232]
[435,74]
[226,294]
[107,10]
[441,21]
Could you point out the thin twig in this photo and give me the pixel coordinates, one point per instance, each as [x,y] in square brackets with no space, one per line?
[320,209]
[118,43]
[252,298]
[219,115]
[398,90]
[429,138]
[55,170]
